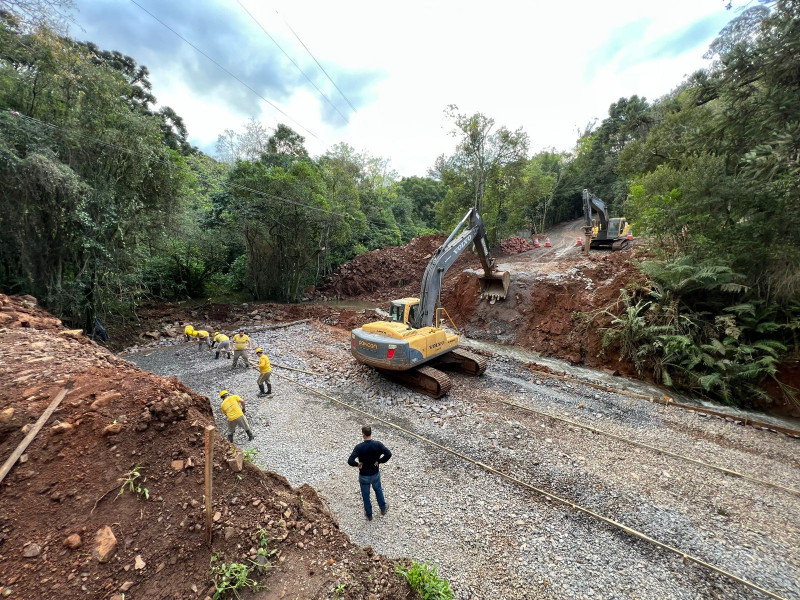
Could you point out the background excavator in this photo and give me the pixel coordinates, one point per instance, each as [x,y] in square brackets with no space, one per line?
[606,232]
[412,345]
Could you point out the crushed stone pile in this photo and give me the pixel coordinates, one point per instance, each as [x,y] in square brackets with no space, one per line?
[515,245]
[68,529]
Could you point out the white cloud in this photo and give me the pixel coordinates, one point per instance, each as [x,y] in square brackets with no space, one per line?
[524,64]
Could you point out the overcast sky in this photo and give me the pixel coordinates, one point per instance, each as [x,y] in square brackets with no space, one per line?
[548,67]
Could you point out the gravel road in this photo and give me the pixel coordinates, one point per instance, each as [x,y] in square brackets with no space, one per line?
[492,538]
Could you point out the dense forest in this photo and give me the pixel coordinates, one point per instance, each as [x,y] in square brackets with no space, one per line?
[105,203]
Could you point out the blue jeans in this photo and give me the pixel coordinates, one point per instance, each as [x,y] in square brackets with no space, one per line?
[375,481]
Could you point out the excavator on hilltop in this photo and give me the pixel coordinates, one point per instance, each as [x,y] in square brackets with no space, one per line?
[412,343]
[606,232]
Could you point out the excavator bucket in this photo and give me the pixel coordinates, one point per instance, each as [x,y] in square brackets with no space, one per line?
[494,286]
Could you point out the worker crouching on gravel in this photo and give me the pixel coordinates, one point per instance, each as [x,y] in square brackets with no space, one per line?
[188,331]
[265,370]
[202,339]
[233,409]
[241,344]
[224,344]
[367,456]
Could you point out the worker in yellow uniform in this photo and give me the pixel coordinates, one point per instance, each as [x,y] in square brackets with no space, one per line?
[188,331]
[202,339]
[233,409]
[241,344]
[265,370]
[224,344]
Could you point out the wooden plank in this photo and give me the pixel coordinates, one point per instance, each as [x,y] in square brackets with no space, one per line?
[11,461]
[208,477]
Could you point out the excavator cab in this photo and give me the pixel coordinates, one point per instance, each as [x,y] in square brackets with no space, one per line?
[403,310]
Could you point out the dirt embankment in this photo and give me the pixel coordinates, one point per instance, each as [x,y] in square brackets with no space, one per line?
[560,313]
[66,531]
[389,273]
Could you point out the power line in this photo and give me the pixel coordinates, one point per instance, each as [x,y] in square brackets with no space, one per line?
[328,100]
[275,106]
[268,196]
[316,61]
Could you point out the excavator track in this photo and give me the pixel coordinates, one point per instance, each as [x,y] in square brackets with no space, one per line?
[623,244]
[462,361]
[425,380]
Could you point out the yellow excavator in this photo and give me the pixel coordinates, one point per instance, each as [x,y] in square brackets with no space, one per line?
[607,232]
[412,345]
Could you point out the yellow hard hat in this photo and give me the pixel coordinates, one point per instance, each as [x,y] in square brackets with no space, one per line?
[223,393]
[258,350]
[216,333]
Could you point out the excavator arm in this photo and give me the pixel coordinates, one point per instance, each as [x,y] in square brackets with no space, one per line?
[590,201]
[494,284]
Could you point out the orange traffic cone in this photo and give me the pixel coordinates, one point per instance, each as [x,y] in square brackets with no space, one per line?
[580,243]
[536,243]
[547,243]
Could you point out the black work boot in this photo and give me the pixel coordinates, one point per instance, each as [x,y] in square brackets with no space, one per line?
[216,356]
[230,437]
[250,436]
[261,387]
[269,388]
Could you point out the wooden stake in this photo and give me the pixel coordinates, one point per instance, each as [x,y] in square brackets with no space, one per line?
[11,460]
[209,474]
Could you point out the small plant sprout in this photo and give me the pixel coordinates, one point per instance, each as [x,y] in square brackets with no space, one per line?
[133,481]
[230,579]
[250,455]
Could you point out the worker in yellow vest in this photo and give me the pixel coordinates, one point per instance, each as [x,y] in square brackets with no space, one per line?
[188,331]
[202,339]
[241,344]
[233,408]
[265,370]
[224,344]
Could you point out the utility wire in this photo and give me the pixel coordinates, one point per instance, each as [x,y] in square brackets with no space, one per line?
[316,61]
[272,104]
[364,221]
[328,100]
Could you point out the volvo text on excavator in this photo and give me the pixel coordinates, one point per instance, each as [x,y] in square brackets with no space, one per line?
[606,232]
[411,346]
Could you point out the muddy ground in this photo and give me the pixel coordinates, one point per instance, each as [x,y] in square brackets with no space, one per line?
[491,538]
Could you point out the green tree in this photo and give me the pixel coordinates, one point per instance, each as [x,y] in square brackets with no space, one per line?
[480,149]
[88,177]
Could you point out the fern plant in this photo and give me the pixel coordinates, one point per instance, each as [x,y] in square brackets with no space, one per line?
[692,332]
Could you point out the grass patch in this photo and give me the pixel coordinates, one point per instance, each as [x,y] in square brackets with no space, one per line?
[425,580]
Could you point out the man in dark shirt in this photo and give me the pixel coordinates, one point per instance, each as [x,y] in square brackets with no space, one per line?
[367,456]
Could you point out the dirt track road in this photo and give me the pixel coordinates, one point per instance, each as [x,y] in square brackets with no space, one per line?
[563,240]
